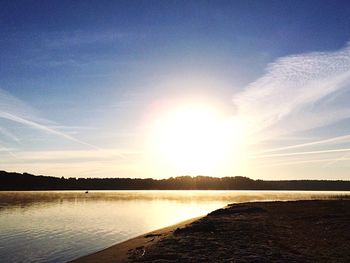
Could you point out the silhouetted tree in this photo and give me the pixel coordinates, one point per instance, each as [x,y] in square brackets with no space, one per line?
[25,181]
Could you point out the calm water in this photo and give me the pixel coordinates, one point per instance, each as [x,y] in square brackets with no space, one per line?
[60,226]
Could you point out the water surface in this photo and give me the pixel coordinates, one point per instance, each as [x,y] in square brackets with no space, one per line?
[56,226]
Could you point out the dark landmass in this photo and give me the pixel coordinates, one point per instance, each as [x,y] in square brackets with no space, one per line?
[302,231]
[293,231]
[25,181]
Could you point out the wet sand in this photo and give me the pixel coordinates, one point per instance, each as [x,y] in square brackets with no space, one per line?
[295,231]
[135,247]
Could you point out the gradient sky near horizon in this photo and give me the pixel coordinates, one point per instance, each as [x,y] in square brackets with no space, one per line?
[82,83]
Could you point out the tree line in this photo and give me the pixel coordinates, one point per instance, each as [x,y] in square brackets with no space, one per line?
[17,181]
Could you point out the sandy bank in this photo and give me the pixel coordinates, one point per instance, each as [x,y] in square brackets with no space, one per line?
[133,247]
[295,231]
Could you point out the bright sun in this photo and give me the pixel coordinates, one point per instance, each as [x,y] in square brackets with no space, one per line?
[196,139]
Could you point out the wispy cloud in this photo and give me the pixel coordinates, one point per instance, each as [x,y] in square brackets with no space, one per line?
[312,143]
[322,161]
[79,38]
[15,110]
[9,134]
[75,155]
[77,163]
[69,38]
[298,93]
[80,49]
[301,153]
[293,87]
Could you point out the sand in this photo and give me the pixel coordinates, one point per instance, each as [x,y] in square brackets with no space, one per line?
[133,247]
[294,231]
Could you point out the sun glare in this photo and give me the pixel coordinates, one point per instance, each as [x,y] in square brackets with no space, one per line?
[196,139]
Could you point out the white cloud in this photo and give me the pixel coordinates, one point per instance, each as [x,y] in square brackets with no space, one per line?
[293,88]
[297,93]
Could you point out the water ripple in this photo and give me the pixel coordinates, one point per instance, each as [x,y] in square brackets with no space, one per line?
[60,226]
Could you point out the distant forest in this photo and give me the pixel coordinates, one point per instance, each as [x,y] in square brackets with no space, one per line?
[25,181]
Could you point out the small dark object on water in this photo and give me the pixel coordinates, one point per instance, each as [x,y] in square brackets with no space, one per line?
[86,192]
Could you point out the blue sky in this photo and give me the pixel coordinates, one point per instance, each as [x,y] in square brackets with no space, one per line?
[78,81]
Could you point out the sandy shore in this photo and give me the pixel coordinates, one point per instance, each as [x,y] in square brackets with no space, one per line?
[296,231]
[133,247]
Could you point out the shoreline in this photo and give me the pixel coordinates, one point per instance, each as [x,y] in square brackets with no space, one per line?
[120,252]
[275,231]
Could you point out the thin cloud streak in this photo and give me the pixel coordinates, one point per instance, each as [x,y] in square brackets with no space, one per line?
[15,110]
[299,153]
[319,142]
[69,155]
[79,38]
[275,164]
[9,134]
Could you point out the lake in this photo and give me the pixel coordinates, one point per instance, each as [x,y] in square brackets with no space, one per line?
[57,226]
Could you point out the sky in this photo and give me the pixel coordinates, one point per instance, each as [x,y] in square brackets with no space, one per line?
[91,88]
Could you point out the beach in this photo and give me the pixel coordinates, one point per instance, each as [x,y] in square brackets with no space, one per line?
[292,231]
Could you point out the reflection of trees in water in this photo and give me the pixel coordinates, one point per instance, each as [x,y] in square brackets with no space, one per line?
[21,200]
[29,199]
